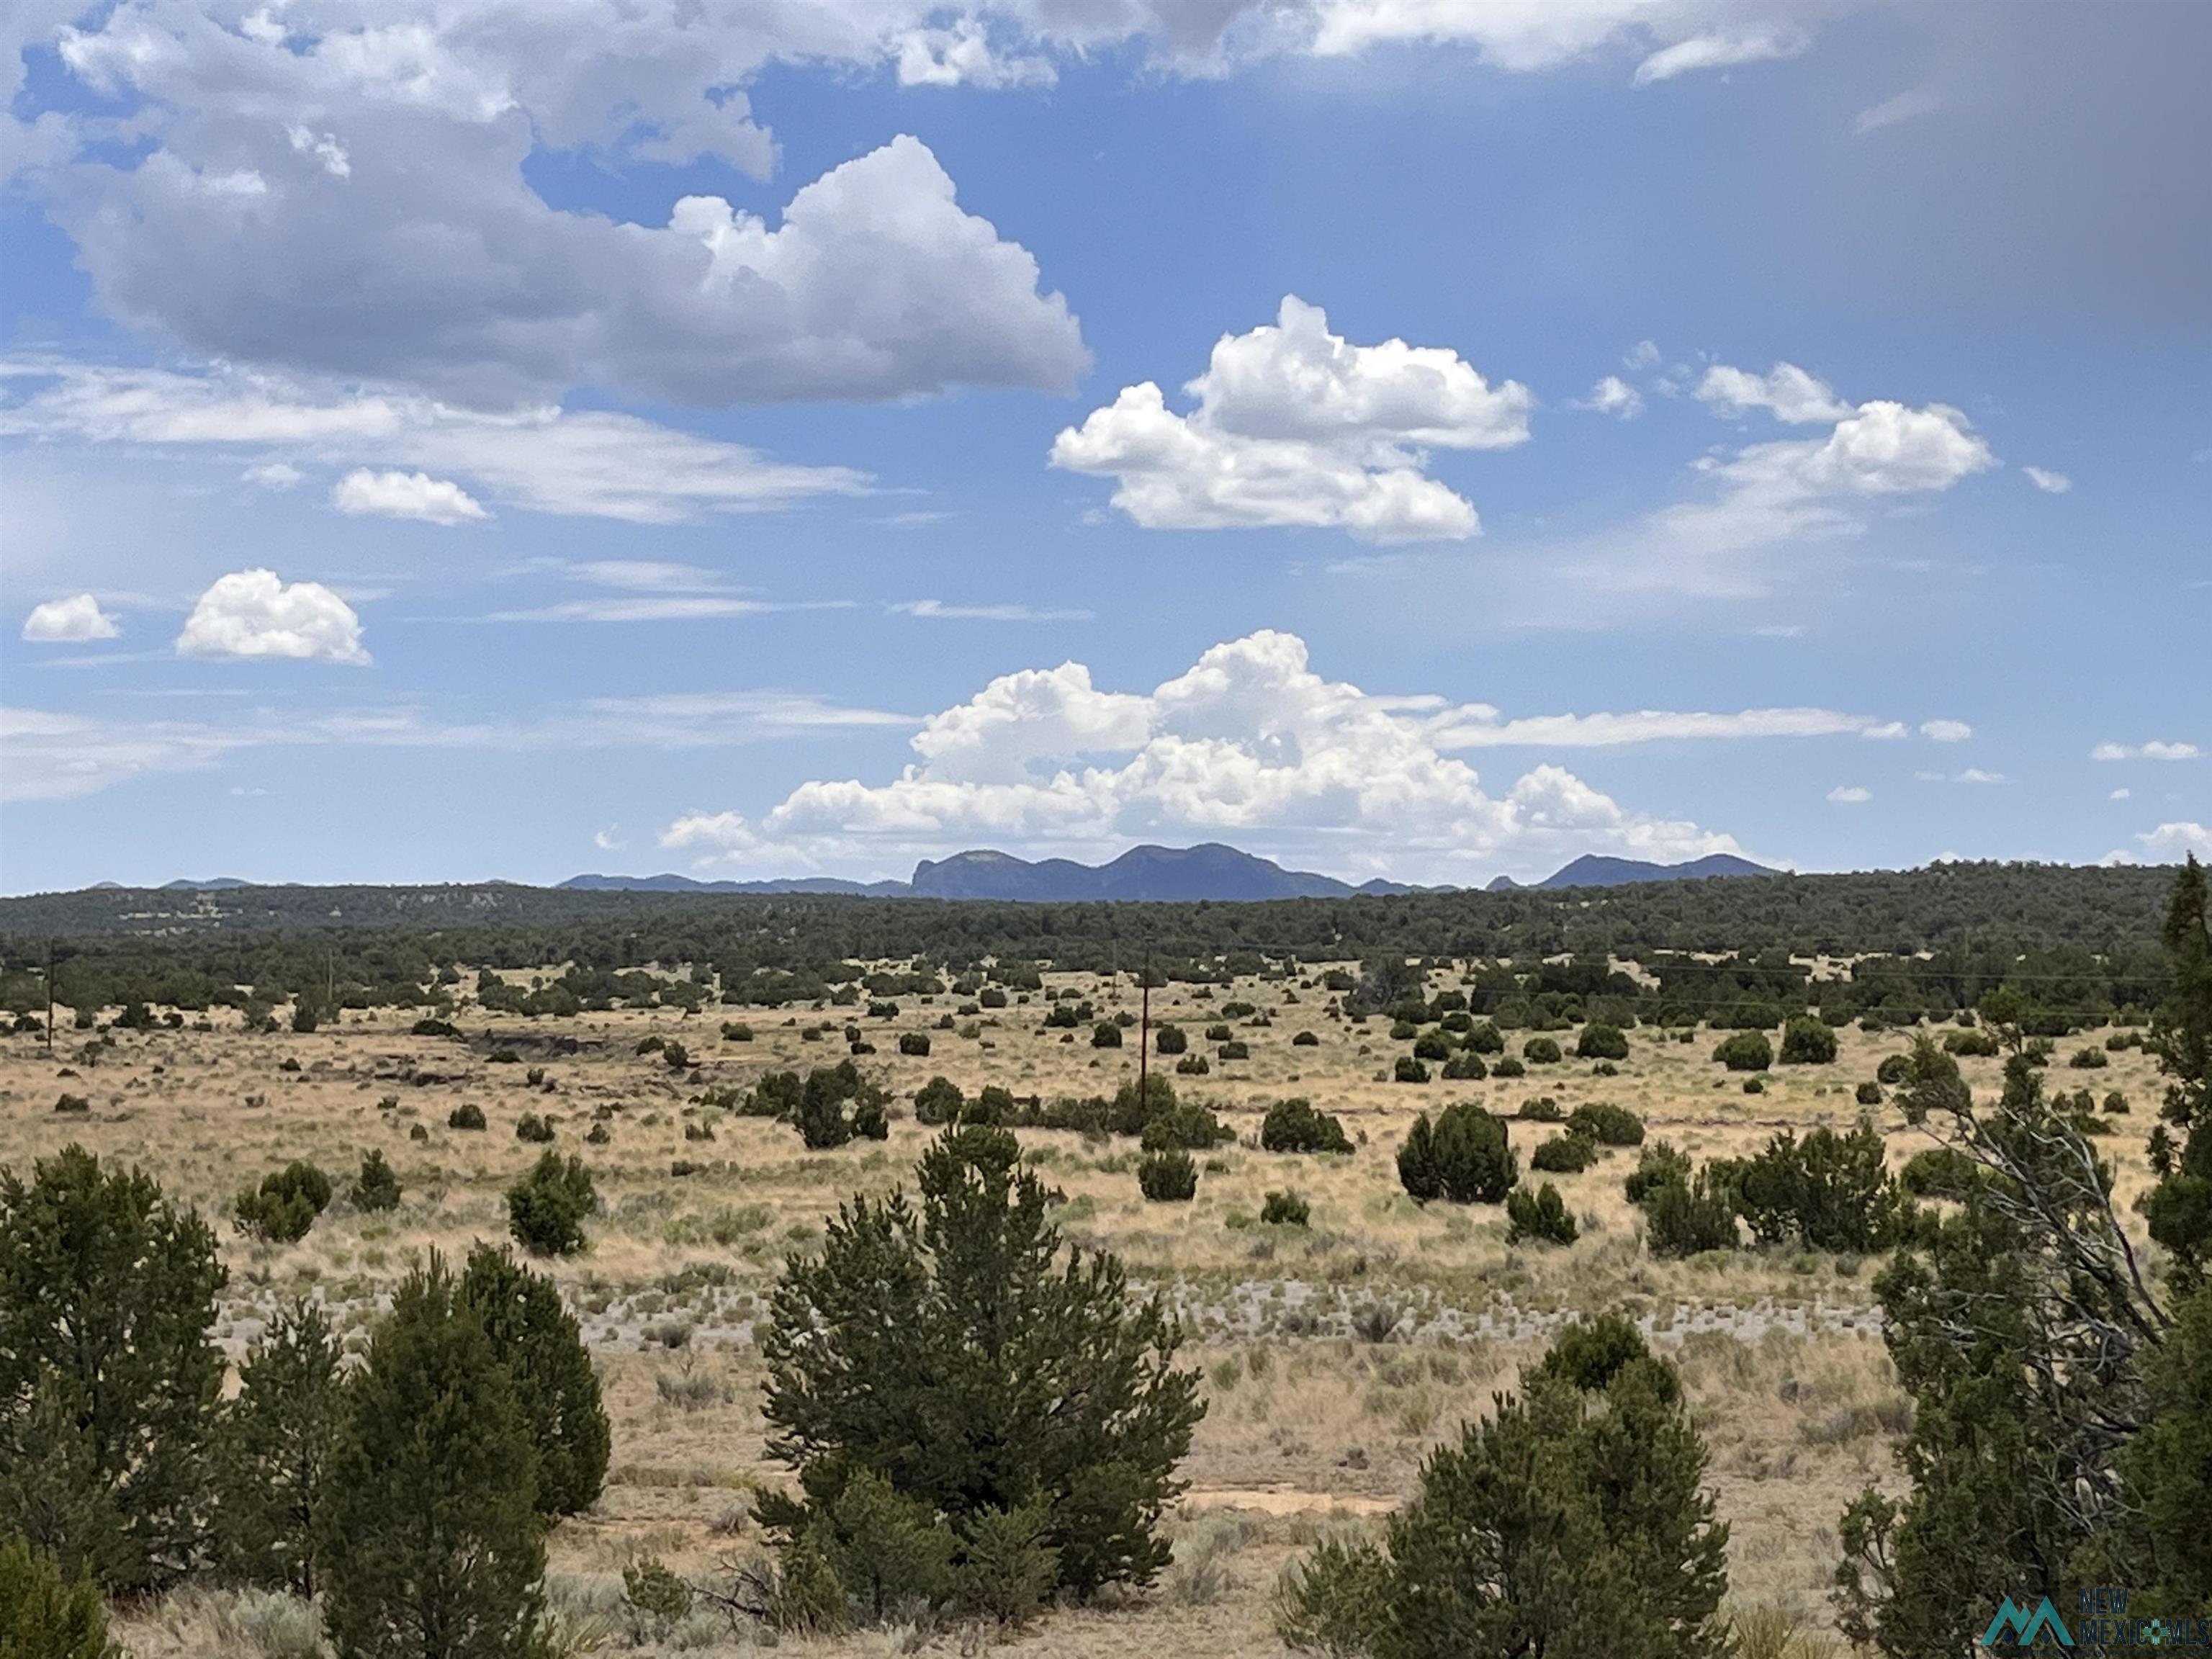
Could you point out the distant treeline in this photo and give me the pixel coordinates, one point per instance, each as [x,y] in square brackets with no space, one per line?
[2081,941]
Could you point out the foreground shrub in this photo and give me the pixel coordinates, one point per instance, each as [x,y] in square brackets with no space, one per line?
[1464,1157]
[377,1187]
[938,1102]
[545,1209]
[45,1615]
[1608,1125]
[430,1542]
[1569,1524]
[1007,1387]
[1540,1216]
[274,1449]
[285,1204]
[1166,1177]
[834,1105]
[466,1116]
[1188,1126]
[1293,1126]
[556,1391]
[1745,1051]
[109,1376]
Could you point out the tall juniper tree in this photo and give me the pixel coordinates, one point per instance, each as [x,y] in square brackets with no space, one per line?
[275,1447]
[108,1376]
[958,1357]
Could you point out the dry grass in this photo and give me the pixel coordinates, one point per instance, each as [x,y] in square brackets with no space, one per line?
[1310,1422]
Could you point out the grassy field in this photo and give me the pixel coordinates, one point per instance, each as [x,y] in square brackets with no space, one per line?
[1335,1356]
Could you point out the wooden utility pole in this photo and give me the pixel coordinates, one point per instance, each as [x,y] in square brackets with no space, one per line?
[1144,1041]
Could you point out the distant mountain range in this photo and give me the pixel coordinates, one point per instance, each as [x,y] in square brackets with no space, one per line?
[1148,874]
[1593,870]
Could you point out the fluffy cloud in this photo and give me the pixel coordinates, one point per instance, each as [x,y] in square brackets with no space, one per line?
[405,496]
[1786,391]
[1946,731]
[236,236]
[593,463]
[1850,794]
[1251,742]
[250,613]
[2155,749]
[73,621]
[1790,490]
[2051,483]
[1296,427]
[1614,396]
[2167,844]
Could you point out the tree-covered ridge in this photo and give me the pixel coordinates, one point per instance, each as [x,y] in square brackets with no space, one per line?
[2096,930]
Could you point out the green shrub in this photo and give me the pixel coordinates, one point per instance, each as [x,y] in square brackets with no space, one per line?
[1464,1157]
[466,1116]
[2089,1059]
[1170,1040]
[1486,1039]
[274,1444]
[1659,1166]
[532,1127]
[546,1209]
[1868,1094]
[1939,1172]
[1293,1126]
[737,1031]
[1166,1177]
[1540,1109]
[1305,1040]
[1895,1068]
[1540,1216]
[45,1615]
[1608,1125]
[1970,1044]
[1520,1540]
[1286,1210]
[1105,1035]
[1188,1126]
[1193,1066]
[1567,1154]
[556,1391]
[1237,1048]
[1689,1220]
[1832,1192]
[1432,1045]
[1808,1042]
[376,1188]
[2116,1103]
[428,1533]
[1509,1067]
[913,1045]
[285,1204]
[1057,1414]
[1465,1066]
[1745,1051]
[1409,1070]
[70,1104]
[938,1100]
[1541,1051]
[1600,1040]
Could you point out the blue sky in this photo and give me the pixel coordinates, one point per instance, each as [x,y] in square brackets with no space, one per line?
[454,439]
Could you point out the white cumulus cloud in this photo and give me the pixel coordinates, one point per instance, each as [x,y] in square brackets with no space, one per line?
[72,621]
[1946,731]
[1249,742]
[1296,427]
[251,613]
[1614,396]
[2169,843]
[405,496]
[1850,794]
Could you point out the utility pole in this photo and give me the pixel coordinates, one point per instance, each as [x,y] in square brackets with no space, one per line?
[1144,1040]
